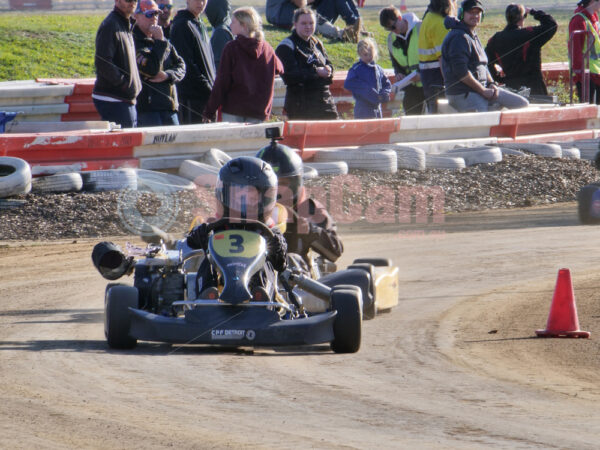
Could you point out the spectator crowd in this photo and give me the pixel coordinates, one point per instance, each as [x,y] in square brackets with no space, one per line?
[157,67]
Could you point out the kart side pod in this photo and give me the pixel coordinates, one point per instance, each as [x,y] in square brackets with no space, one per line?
[110,261]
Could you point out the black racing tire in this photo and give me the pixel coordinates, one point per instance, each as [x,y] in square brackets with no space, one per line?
[584,204]
[377,262]
[369,307]
[117,317]
[597,160]
[347,327]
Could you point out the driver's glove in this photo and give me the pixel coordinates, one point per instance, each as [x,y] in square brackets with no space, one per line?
[198,237]
[277,248]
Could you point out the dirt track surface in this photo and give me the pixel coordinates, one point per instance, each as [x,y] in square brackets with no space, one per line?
[429,374]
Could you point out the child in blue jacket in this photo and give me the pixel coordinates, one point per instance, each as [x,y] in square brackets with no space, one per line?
[367,82]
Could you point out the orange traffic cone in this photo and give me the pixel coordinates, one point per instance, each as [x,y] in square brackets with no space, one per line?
[403,6]
[562,320]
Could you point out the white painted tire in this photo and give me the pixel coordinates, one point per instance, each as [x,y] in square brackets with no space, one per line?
[476,155]
[376,160]
[309,173]
[571,153]
[545,150]
[15,177]
[109,180]
[62,182]
[512,152]
[150,180]
[215,157]
[411,158]
[444,162]
[200,173]
[329,168]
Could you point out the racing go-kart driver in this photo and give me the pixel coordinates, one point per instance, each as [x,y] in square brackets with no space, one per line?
[309,225]
[246,189]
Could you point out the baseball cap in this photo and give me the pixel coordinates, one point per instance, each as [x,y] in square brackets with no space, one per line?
[146,6]
[468,5]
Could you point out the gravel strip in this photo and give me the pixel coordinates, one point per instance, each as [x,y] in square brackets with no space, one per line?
[515,182]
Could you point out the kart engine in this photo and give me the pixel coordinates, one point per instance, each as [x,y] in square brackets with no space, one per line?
[159,286]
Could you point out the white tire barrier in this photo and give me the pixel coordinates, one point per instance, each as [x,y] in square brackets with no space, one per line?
[62,182]
[329,168]
[545,150]
[476,155]
[15,177]
[411,158]
[375,160]
[571,153]
[215,157]
[109,180]
[309,173]
[200,173]
[162,182]
[512,152]
[444,162]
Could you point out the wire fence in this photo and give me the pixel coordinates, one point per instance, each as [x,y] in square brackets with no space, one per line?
[37,6]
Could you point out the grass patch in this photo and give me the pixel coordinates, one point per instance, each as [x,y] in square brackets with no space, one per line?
[62,45]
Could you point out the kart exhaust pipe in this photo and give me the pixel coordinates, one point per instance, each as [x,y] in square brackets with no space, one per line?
[309,285]
[110,260]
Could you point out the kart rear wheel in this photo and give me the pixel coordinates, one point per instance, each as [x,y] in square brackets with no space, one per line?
[369,305]
[347,327]
[117,317]
[586,204]
[377,262]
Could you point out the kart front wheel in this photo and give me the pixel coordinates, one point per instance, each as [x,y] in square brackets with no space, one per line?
[117,317]
[347,327]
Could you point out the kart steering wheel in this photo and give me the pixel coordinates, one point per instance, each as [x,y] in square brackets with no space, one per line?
[224,221]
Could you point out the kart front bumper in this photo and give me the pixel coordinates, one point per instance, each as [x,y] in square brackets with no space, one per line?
[232,326]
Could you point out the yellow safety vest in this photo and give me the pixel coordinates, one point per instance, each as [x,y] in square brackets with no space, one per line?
[410,60]
[595,50]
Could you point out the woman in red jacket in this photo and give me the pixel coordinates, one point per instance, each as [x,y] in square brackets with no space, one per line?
[585,21]
[246,76]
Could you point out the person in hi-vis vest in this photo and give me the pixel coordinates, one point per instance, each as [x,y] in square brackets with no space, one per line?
[403,45]
[585,21]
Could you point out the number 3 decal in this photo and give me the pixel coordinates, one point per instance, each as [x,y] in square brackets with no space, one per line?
[236,241]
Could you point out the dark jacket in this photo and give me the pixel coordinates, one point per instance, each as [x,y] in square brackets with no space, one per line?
[320,234]
[152,57]
[189,37]
[518,51]
[307,95]
[116,70]
[218,14]
[245,80]
[462,52]
[370,87]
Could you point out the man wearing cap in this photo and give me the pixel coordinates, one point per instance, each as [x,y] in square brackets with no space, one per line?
[117,79]
[518,49]
[469,84]
[160,68]
[403,45]
[189,36]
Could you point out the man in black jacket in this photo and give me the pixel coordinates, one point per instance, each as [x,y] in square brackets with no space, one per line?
[117,79]
[160,68]
[189,36]
[517,49]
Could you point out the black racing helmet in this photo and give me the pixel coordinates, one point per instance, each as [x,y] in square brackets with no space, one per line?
[247,188]
[287,166]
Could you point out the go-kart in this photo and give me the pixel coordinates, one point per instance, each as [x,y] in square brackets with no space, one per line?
[377,278]
[163,305]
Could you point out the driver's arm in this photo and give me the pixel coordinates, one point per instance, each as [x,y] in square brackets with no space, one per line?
[198,237]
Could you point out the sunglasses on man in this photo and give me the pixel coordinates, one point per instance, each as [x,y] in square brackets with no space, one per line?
[165,6]
[151,14]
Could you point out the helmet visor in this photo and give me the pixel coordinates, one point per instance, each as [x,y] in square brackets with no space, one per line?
[248,202]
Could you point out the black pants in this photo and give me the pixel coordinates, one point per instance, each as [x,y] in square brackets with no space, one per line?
[594,93]
[190,110]
[414,100]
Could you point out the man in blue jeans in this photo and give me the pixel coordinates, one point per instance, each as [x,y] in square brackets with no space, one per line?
[117,79]
[469,84]
[280,13]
